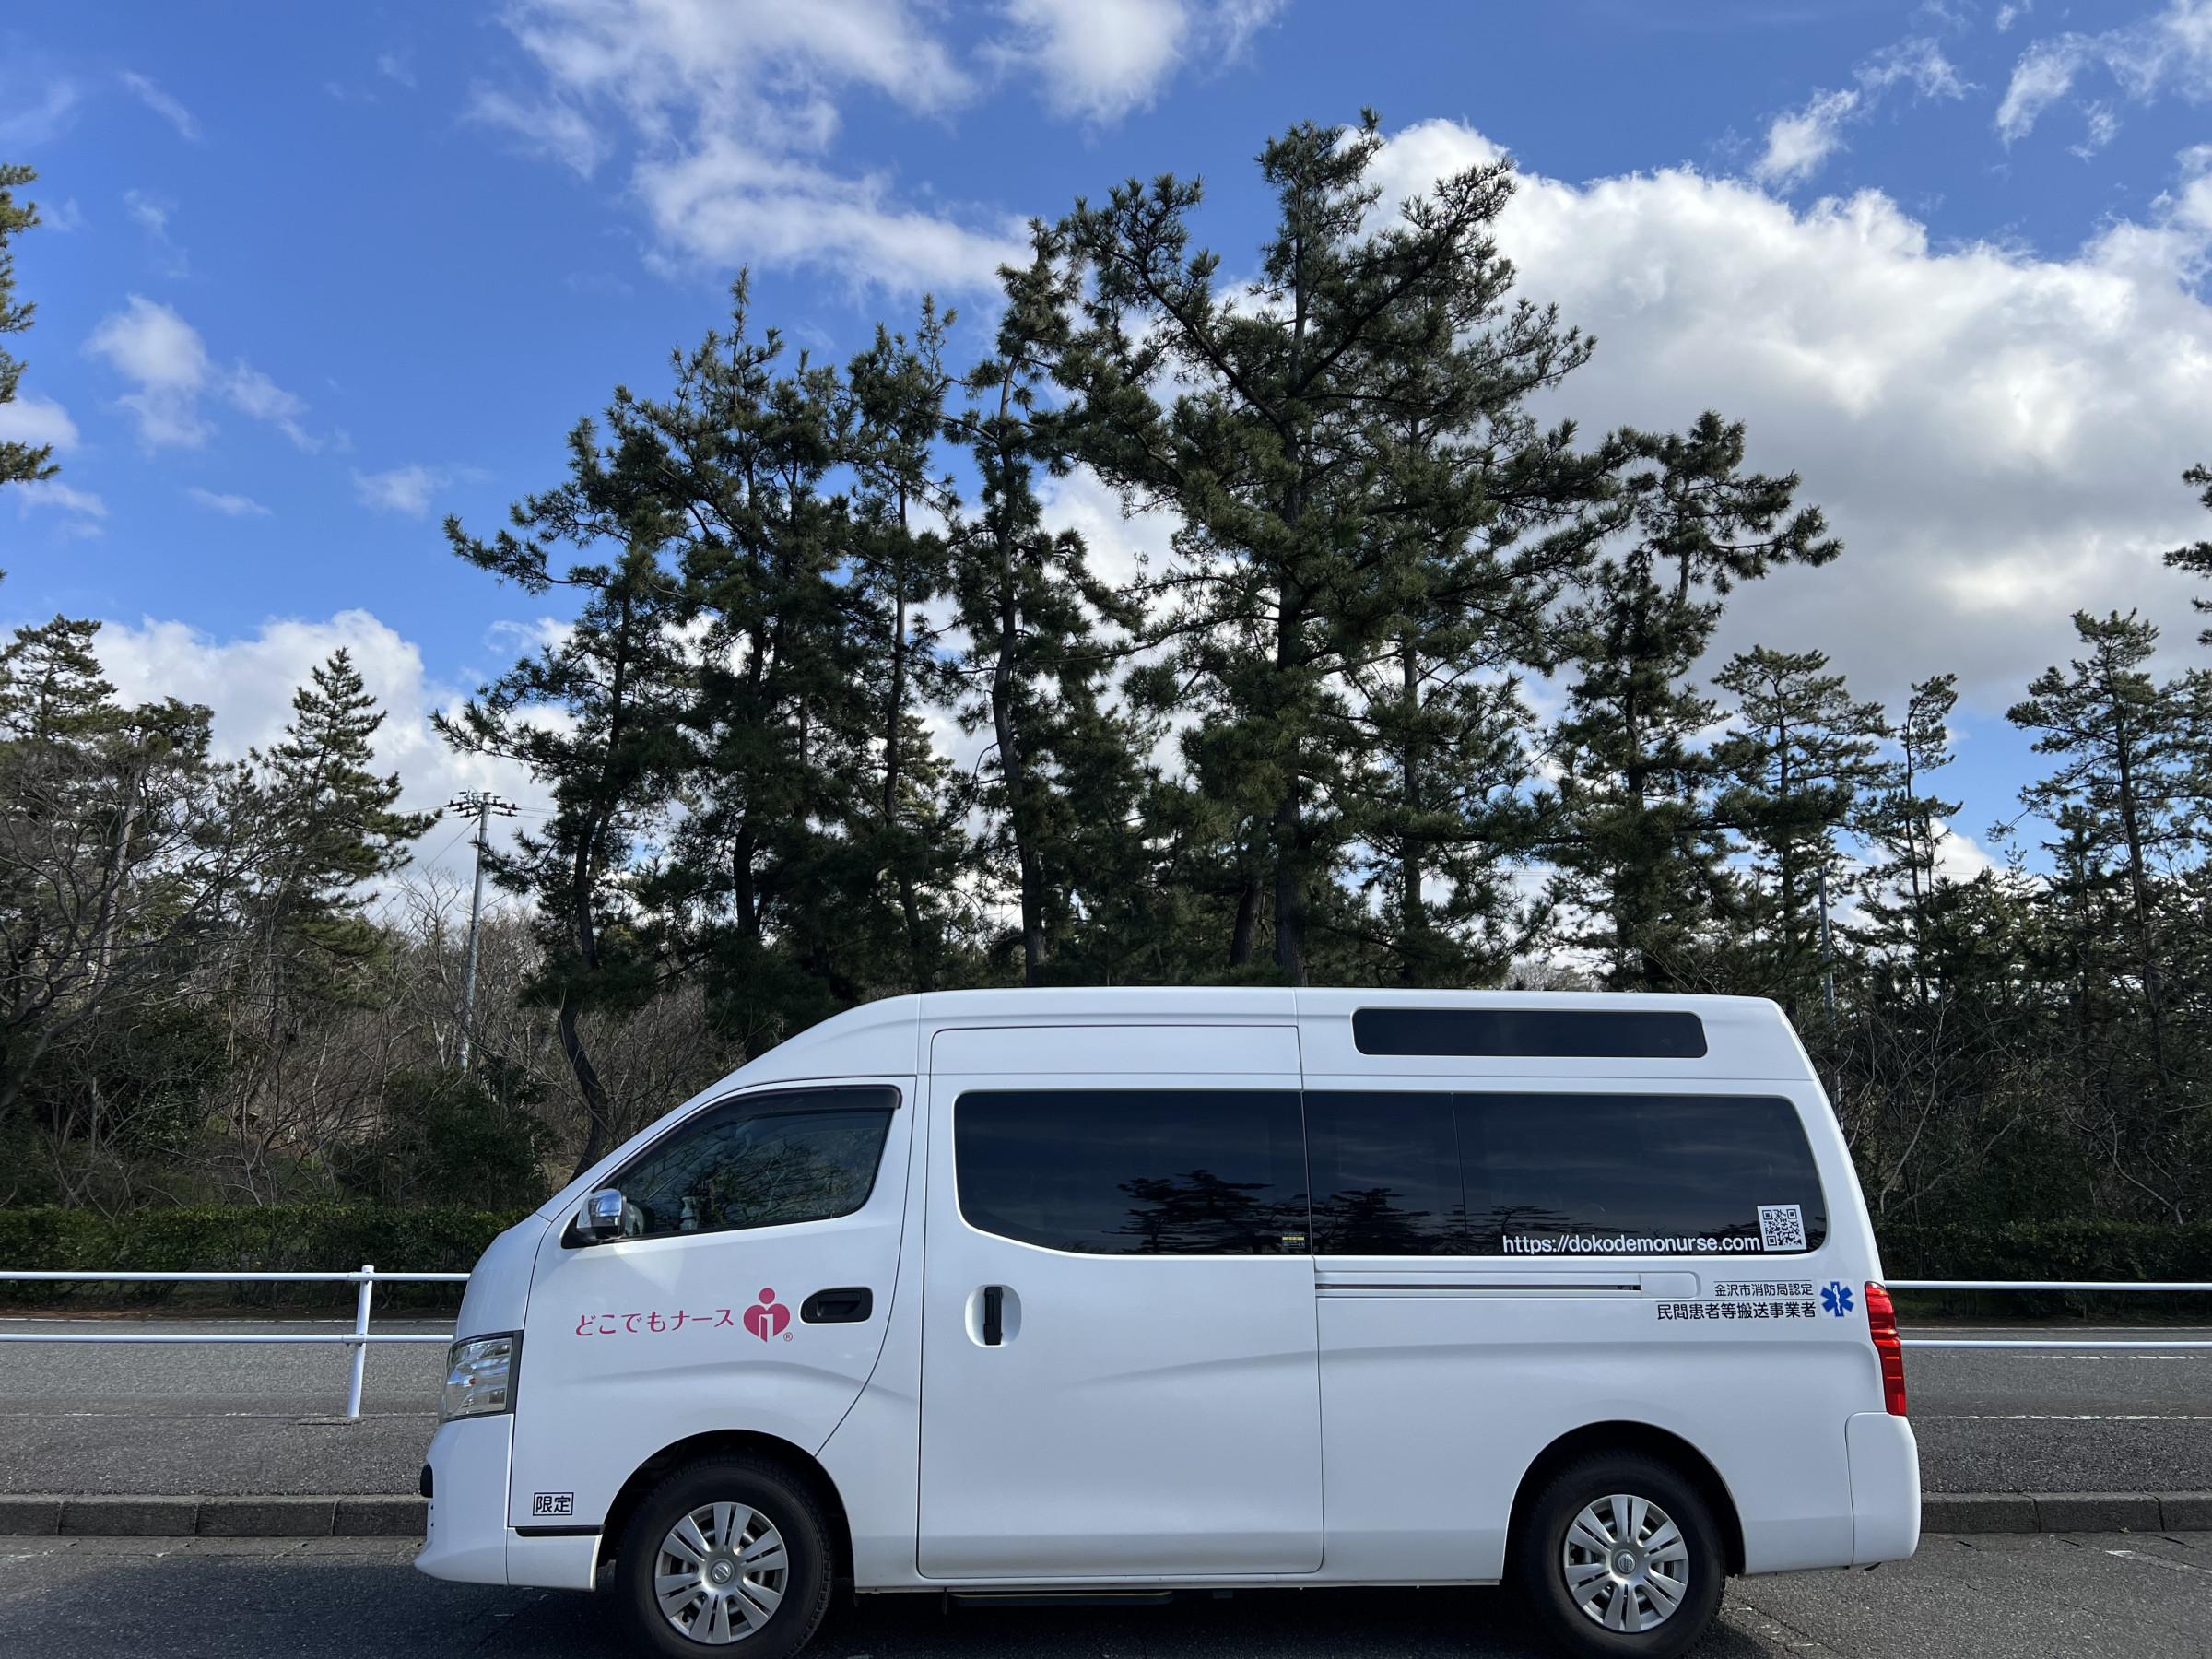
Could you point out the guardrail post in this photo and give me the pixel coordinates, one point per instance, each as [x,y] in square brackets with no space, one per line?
[360,1328]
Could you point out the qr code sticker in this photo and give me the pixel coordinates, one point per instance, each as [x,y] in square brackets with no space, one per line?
[1781,1227]
[552,1503]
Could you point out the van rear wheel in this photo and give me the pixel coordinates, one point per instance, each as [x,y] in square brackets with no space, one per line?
[729,1554]
[1620,1557]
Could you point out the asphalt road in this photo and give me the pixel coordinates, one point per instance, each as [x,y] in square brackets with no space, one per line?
[2053,1596]
[251,1419]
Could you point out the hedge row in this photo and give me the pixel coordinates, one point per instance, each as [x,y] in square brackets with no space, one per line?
[293,1238]
[2127,1251]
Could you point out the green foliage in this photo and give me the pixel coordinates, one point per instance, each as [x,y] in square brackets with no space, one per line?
[19,462]
[248,1239]
[2083,1250]
[446,1140]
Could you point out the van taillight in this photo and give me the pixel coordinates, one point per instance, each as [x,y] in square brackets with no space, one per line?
[1882,1323]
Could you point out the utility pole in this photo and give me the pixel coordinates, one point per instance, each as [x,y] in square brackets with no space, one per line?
[481,805]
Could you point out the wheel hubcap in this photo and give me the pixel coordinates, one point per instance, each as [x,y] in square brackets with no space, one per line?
[721,1573]
[1626,1563]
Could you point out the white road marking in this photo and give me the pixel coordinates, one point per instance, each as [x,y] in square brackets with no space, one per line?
[2131,1555]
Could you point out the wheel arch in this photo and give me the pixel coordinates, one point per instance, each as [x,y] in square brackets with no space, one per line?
[1650,1441]
[723,1442]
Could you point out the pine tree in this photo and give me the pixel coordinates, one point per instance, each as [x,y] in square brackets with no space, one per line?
[894,416]
[1035,662]
[330,814]
[1282,454]
[2118,796]
[1793,768]
[621,675]
[1636,839]
[117,855]
[1905,824]
[2196,557]
[19,462]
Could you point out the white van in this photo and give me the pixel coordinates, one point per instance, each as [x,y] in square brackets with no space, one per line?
[1038,1292]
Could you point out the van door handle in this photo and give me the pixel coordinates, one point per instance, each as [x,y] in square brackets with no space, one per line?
[995,1316]
[850,1305]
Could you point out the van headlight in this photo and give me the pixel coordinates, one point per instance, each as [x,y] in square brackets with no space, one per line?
[479,1378]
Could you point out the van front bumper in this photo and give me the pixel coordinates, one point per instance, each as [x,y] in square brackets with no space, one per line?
[468,1540]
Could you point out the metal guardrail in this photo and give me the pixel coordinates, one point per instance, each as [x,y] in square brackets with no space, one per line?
[358,1339]
[2099,1287]
[361,1336]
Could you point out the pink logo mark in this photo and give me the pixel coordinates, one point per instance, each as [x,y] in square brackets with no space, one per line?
[768,1317]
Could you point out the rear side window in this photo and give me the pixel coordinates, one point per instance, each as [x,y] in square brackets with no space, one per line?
[1387,1177]
[1623,1174]
[1407,1173]
[761,1161]
[1531,1033]
[1172,1172]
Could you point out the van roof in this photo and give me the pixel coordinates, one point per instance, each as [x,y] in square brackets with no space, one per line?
[1744,1036]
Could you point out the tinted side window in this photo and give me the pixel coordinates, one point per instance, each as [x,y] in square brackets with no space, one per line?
[1590,1174]
[764,1161]
[1385,1173]
[1172,1172]
[1531,1033]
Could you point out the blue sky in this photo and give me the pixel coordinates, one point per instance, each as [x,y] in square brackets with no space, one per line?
[314,277]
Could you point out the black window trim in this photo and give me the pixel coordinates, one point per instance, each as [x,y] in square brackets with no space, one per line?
[1370,1023]
[571,1238]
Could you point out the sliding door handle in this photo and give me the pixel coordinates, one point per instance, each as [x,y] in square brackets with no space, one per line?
[995,1316]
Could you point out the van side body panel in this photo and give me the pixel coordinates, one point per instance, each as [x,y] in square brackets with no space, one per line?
[874,1456]
[633,1344]
[1437,1401]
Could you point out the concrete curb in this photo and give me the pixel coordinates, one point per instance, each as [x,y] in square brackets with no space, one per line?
[2064,1512]
[199,1517]
[405,1516]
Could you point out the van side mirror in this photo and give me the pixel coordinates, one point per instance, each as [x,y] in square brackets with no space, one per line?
[601,1216]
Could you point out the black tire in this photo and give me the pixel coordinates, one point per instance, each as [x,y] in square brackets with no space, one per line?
[1630,1592]
[742,1604]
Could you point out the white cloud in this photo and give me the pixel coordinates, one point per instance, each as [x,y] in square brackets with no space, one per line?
[29,419]
[2170,51]
[86,510]
[253,393]
[1998,437]
[36,116]
[406,490]
[150,344]
[734,107]
[1100,59]
[231,506]
[548,128]
[1800,141]
[725,201]
[163,105]
[249,684]
[150,212]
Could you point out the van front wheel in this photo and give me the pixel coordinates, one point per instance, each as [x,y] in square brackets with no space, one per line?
[1620,1557]
[728,1552]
